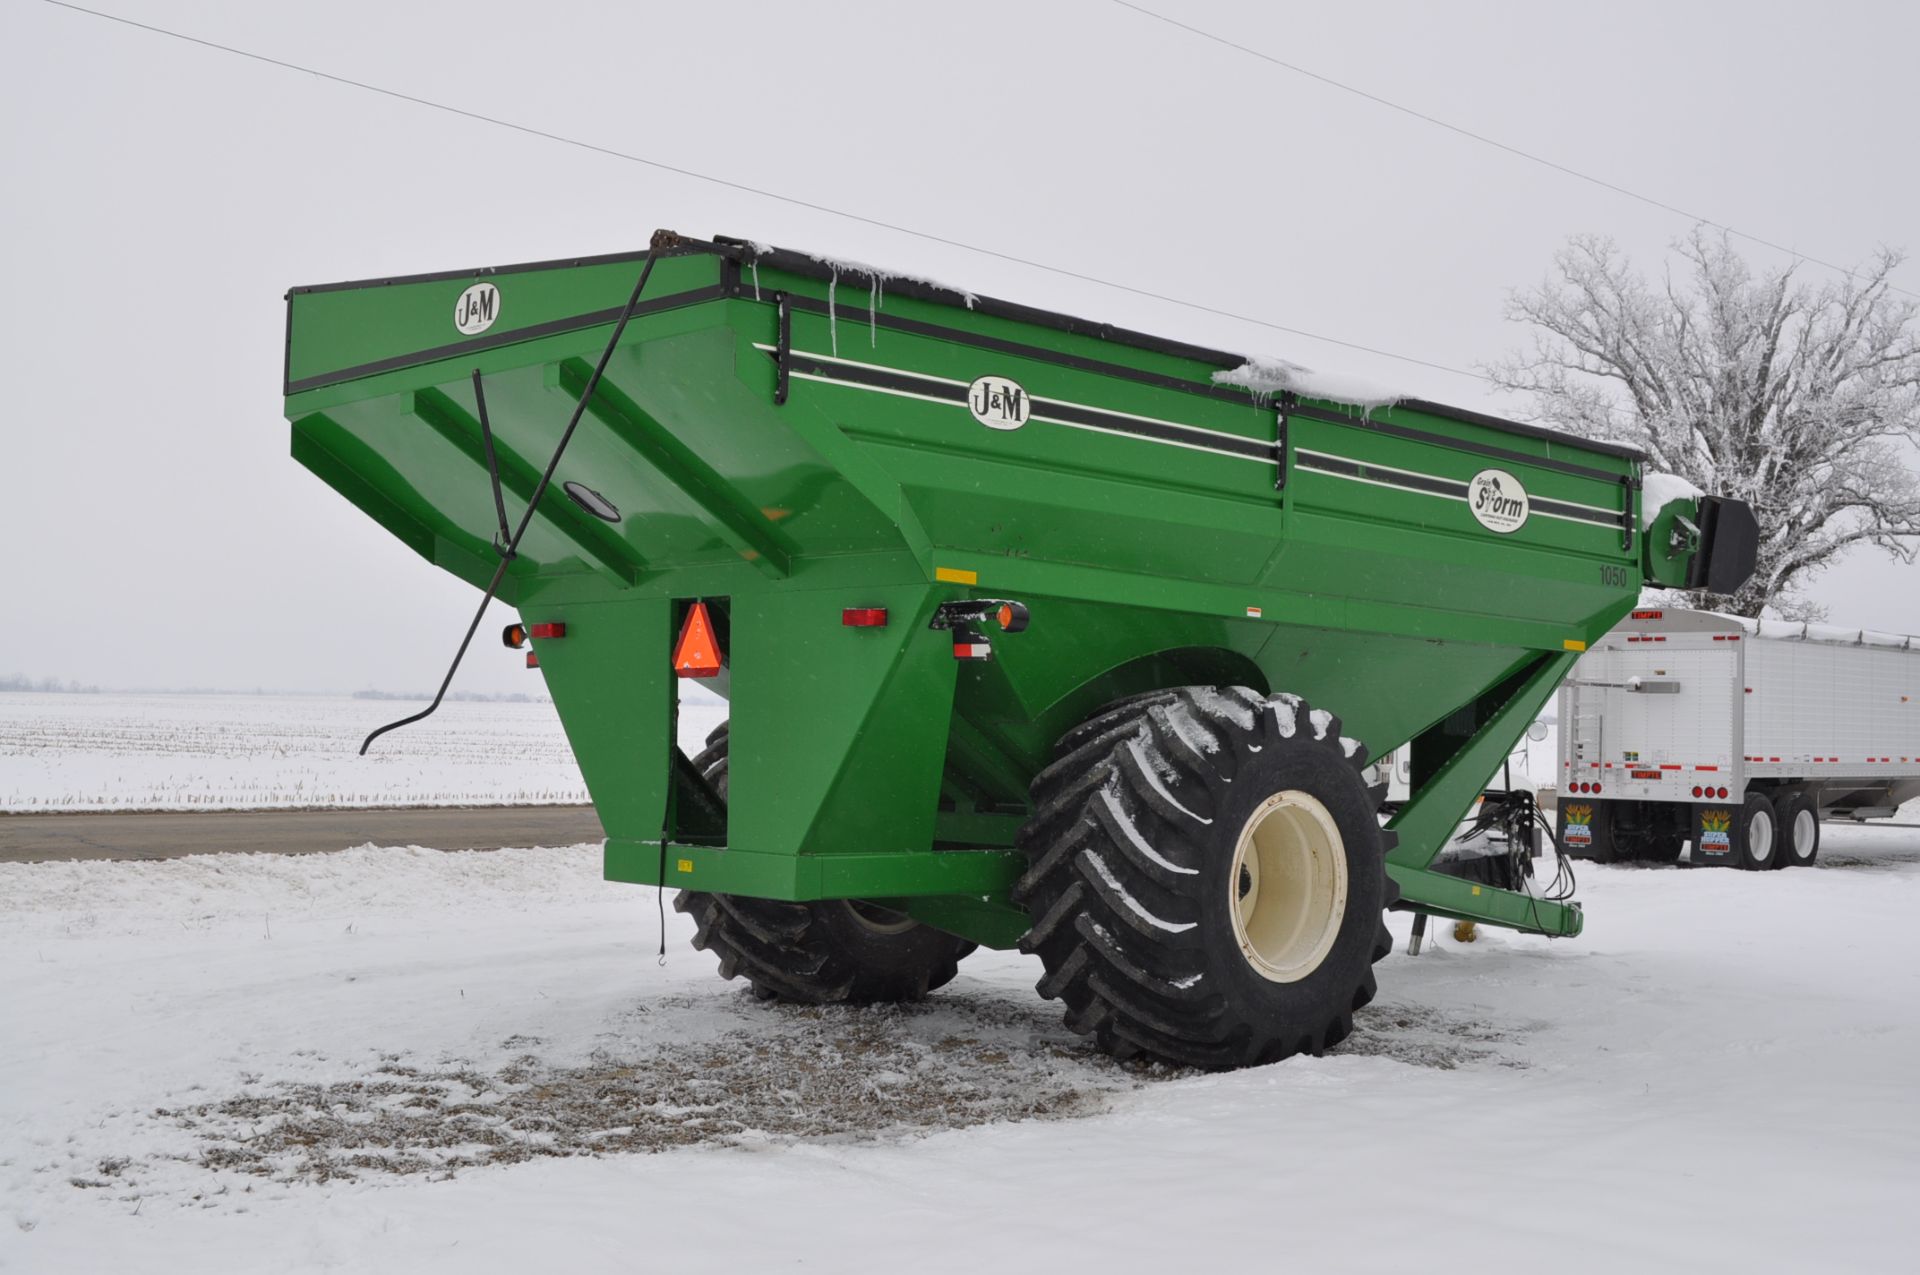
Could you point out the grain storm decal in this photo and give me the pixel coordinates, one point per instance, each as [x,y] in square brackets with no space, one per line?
[1498,501]
[476,309]
[998,403]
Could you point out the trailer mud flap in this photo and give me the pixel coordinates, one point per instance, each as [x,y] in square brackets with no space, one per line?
[1718,838]
[1584,829]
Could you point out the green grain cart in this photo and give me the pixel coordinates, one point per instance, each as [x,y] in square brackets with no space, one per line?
[1036,632]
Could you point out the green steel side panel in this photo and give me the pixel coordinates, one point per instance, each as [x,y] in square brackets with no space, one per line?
[837,733]
[619,724]
[336,329]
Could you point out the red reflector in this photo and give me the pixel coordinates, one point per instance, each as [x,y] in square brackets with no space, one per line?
[533,661]
[864,617]
[697,653]
[1648,615]
[549,630]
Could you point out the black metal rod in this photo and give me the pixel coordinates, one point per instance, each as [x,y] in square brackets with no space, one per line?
[662,240]
[783,348]
[498,572]
[493,464]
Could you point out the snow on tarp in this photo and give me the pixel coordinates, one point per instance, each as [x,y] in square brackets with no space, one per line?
[1661,490]
[1264,377]
[1832,634]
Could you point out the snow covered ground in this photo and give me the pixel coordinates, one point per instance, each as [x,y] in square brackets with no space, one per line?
[400,1060]
[210,752]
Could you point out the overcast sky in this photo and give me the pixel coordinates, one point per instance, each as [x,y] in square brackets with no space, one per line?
[160,198]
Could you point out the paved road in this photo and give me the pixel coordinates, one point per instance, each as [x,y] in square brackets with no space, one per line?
[43,838]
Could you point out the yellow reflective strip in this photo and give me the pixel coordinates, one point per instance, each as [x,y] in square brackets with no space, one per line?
[1574,644]
[954,575]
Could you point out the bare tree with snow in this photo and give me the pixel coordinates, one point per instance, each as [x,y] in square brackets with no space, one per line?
[1802,401]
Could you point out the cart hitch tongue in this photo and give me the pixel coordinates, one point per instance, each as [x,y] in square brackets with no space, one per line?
[964,618]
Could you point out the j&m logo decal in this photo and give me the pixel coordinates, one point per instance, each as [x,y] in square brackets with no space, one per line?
[476,309]
[998,403]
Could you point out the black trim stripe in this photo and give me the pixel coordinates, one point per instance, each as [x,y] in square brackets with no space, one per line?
[810,267]
[1451,489]
[553,327]
[1456,444]
[1427,483]
[688,249]
[1234,395]
[1000,345]
[1578,513]
[1055,411]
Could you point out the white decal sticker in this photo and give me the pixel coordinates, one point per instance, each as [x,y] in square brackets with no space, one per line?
[998,403]
[1498,500]
[476,309]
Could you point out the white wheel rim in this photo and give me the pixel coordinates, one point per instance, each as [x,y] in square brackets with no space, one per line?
[1803,824]
[1293,864]
[878,919]
[1760,836]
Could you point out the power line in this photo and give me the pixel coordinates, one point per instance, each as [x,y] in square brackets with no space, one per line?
[764,193]
[1484,140]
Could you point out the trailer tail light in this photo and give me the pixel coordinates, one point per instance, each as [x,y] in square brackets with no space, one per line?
[549,630]
[1698,791]
[1594,788]
[864,617]
[1723,793]
[514,635]
[1648,615]
[697,653]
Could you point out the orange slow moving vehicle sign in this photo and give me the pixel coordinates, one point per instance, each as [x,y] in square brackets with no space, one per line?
[697,653]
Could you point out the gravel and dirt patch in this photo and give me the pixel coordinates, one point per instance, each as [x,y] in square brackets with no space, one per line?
[782,1073]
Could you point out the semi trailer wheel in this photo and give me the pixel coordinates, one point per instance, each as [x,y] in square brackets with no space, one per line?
[824,952]
[1759,833]
[1799,832]
[1206,878]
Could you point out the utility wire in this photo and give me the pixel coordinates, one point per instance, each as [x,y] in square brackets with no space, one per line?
[1484,140]
[764,193]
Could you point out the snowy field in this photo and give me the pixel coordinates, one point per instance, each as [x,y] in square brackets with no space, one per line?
[216,752]
[400,1060]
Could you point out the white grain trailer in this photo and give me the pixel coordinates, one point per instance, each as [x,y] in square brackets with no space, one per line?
[1739,736]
